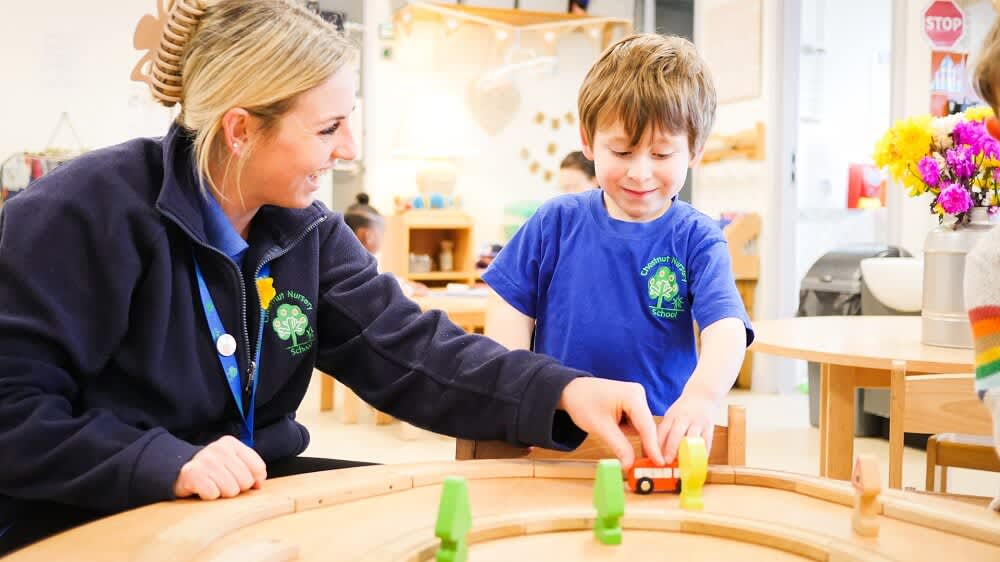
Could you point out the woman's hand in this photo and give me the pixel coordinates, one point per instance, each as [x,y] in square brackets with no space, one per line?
[599,406]
[223,468]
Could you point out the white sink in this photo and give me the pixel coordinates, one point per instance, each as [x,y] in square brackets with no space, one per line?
[896,282]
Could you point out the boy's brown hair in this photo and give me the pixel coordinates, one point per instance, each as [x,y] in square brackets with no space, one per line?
[987,77]
[650,82]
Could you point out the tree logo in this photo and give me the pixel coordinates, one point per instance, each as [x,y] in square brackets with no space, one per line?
[291,324]
[664,288]
[663,285]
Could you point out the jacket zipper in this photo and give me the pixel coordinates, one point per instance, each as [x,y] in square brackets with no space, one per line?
[268,257]
[251,366]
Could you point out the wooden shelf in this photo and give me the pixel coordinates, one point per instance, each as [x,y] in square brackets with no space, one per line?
[421,232]
[747,144]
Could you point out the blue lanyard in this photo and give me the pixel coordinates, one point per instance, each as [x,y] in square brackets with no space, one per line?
[228,362]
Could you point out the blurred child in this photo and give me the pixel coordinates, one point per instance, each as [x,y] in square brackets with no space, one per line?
[369,226]
[576,173]
[982,268]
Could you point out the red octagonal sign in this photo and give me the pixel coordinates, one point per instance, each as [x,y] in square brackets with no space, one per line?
[944,23]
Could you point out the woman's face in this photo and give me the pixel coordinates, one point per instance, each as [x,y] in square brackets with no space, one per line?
[285,166]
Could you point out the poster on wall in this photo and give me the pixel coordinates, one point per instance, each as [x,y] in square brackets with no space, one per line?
[951,89]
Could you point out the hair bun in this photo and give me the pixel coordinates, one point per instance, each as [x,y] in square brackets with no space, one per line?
[362,198]
[165,37]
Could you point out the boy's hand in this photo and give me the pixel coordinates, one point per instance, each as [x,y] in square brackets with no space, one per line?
[598,406]
[691,415]
[223,468]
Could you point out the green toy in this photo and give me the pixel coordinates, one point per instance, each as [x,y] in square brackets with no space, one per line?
[454,521]
[609,499]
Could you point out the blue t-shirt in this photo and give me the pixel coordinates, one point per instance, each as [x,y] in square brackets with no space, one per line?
[616,298]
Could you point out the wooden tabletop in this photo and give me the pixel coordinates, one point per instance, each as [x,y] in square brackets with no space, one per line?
[452,302]
[859,341]
[387,514]
[468,311]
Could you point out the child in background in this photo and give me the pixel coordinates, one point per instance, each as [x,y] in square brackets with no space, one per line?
[576,173]
[982,267]
[369,226]
[366,222]
[612,280]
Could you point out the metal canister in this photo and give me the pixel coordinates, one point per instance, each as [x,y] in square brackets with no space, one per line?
[945,321]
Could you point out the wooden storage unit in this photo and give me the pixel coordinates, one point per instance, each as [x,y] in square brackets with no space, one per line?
[742,235]
[421,232]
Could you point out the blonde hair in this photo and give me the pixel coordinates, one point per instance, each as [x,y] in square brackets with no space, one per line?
[987,76]
[259,55]
[650,81]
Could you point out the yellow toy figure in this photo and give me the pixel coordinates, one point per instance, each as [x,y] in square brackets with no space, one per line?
[693,459]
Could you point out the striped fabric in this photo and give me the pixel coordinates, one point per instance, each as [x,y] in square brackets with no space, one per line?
[986,333]
[982,300]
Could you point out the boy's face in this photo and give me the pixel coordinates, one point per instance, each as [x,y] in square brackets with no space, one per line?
[639,181]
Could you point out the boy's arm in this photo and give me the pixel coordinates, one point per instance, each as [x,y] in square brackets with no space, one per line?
[723,345]
[507,325]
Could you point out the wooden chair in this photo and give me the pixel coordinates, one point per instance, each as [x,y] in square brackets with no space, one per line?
[934,404]
[729,446]
[960,451]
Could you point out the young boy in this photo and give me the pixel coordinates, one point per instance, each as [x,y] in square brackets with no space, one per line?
[612,280]
[983,263]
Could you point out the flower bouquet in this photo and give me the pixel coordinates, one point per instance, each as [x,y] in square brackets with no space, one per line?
[952,158]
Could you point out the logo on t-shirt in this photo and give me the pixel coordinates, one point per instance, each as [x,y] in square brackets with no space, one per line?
[291,323]
[663,286]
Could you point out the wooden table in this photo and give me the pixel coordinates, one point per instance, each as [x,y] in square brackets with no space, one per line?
[469,312]
[529,510]
[856,352]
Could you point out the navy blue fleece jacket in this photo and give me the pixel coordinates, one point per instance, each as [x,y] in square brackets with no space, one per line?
[109,378]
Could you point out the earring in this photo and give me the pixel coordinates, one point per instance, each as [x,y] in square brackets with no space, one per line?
[236,145]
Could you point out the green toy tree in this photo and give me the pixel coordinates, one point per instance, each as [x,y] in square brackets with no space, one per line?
[454,521]
[609,499]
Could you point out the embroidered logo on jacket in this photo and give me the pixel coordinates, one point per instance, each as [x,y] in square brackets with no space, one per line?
[663,288]
[291,323]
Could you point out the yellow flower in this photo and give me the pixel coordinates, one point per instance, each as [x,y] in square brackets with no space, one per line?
[978,113]
[265,288]
[883,150]
[913,138]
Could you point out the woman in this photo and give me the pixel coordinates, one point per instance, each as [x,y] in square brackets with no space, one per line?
[160,349]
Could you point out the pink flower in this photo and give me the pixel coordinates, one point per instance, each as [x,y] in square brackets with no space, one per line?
[955,199]
[929,171]
[961,161]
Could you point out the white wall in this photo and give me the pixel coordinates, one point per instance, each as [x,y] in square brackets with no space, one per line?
[428,58]
[60,56]
[737,185]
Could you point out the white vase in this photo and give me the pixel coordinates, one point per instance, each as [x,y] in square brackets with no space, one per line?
[945,321]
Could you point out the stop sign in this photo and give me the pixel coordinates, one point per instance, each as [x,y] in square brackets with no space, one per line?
[944,23]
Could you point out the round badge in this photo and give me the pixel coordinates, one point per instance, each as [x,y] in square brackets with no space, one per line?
[226,345]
